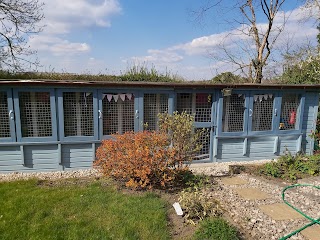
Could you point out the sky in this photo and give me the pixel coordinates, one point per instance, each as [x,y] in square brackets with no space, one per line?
[111,36]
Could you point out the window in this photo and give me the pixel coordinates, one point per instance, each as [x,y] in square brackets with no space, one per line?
[35,114]
[4,116]
[118,113]
[233,113]
[198,104]
[289,111]
[78,114]
[153,104]
[262,112]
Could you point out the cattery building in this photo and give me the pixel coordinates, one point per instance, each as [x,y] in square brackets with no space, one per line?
[50,125]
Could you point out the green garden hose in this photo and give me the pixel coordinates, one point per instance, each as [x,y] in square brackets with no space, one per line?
[313,221]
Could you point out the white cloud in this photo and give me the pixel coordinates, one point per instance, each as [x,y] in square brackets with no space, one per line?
[61,16]
[235,41]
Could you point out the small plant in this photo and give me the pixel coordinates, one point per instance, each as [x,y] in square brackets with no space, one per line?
[182,136]
[292,167]
[197,205]
[216,229]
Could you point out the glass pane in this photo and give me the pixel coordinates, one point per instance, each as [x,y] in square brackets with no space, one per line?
[289,108]
[153,104]
[78,114]
[198,104]
[4,116]
[35,114]
[233,113]
[118,113]
[262,112]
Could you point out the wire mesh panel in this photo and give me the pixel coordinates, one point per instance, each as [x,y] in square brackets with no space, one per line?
[118,113]
[233,113]
[203,107]
[289,108]
[35,114]
[4,116]
[184,103]
[204,141]
[198,104]
[153,104]
[78,114]
[262,112]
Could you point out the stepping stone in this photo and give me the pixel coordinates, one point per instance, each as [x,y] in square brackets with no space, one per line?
[252,193]
[234,181]
[312,233]
[280,211]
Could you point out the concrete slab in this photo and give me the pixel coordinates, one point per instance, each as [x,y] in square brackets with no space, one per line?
[252,193]
[234,181]
[280,211]
[312,233]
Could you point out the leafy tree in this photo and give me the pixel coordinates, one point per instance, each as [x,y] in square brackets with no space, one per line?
[228,77]
[19,19]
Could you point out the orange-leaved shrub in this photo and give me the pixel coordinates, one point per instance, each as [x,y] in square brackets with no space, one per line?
[142,159]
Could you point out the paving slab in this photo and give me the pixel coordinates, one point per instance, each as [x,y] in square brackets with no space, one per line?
[280,211]
[312,233]
[234,181]
[252,193]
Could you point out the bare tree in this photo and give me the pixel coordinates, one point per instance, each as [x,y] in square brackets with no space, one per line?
[257,40]
[18,20]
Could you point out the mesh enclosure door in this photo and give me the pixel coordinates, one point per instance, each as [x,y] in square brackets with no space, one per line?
[118,113]
[199,104]
[205,143]
[289,111]
[233,113]
[262,112]
[153,104]
[4,116]
[35,114]
[78,114]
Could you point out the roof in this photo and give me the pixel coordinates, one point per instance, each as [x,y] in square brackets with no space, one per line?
[174,85]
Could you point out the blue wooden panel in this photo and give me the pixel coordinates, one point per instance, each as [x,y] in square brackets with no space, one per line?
[77,156]
[41,157]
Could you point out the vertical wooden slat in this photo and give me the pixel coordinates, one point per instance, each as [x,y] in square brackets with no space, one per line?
[22,155]
[245,147]
[276,145]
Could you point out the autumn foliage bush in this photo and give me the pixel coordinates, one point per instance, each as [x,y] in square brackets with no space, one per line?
[142,160]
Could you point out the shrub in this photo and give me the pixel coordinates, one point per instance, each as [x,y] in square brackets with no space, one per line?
[142,160]
[216,229]
[183,138]
[292,167]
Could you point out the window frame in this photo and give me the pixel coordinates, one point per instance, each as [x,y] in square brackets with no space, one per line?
[62,137]
[220,109]
[100,108]
[299,115]
[20,138]
[12,122]
[273,130]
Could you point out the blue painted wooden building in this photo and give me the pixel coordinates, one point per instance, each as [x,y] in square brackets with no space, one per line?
[48,125]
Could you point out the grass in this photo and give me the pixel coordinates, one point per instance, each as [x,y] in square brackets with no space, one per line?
[37,210]
[216,229]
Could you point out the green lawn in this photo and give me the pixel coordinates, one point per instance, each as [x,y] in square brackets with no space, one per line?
[91,210]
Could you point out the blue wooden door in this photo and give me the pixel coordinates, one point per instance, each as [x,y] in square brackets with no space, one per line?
[7,117]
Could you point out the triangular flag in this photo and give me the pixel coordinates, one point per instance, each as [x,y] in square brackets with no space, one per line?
[270,95]
[109,97]
[123,97]
[116,97]
[265,97]
[88,94]
[103,96]
[256,97]
[129,95]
